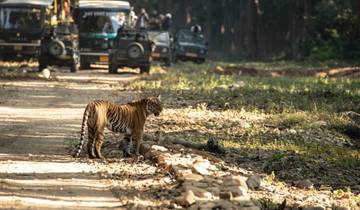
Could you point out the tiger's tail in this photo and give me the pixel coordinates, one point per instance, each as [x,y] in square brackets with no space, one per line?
[85,119]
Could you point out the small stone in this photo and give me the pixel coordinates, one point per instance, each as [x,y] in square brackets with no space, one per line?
[235,181]
[225,195]
[159,148]
[305,184]
[179,170]
[202,205]
[201,167]
[214,190]
[46,73]
[254,182]
[198,192]
[190,177]
[145,148]
[238,191]
[224,204]
[237,86]
[187,199]
[292,131]
[195,184]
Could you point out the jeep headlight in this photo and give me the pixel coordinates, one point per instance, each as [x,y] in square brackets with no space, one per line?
[164,50]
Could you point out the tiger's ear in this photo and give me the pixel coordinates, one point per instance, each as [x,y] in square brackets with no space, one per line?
[159,97]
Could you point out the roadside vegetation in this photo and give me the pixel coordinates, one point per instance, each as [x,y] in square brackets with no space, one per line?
[293,127]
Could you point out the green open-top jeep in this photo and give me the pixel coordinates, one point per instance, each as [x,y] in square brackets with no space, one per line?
[132,48]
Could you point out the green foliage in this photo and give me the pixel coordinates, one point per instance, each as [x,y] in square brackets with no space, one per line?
[331,31]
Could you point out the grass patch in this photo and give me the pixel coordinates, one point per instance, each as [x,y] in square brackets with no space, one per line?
[277,118]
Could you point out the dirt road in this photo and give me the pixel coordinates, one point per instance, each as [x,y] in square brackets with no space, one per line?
[40,121]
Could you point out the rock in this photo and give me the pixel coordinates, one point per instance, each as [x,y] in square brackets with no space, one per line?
[159,148]
[237,86]
[187,199]
[336,207]
[214,190]
[46,73]
[195,184]
[238,191]
[201,167]
[179,170]
[198,192]
[190,177]
[254,182]
[225,195]
[292,131]
[230,181]
[224,204]
[145,147]
[219,70]
[202,205]
[305,184]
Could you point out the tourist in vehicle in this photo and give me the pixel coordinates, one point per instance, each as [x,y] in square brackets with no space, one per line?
[143,19]
[133,18]
[196,28]
[167,22]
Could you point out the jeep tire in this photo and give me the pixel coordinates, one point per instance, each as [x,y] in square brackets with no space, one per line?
[74,67]
[112,68]
[135,50]
[56,47]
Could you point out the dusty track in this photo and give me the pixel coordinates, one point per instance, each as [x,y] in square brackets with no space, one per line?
[39,121]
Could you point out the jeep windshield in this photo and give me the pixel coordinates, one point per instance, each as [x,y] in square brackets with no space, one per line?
[159,37]
[99,22]
[185,37]
[12,18]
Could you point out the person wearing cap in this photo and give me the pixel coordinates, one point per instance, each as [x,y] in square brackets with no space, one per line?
[167,23]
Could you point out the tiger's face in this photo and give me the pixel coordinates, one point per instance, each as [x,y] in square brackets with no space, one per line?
[154,105]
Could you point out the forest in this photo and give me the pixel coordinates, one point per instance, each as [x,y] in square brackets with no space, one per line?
[270,30]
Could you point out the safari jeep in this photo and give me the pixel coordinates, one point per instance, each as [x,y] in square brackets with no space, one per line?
[60,47]
[163,46]
[132,48]
[22,25]
[98,22]
[190,46]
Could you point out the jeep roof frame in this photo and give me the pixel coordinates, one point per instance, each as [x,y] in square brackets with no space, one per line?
[103,4]
[26,2]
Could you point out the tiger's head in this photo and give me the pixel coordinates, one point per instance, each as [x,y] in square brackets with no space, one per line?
[154,105]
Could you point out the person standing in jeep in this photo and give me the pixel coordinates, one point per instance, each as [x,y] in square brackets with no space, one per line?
[143,19]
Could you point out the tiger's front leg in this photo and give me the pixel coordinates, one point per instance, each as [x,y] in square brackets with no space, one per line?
[139,137]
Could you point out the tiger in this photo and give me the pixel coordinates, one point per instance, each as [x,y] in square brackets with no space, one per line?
[119,118]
